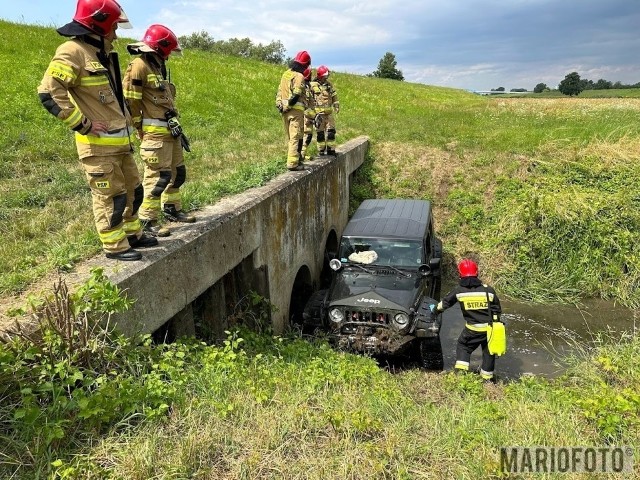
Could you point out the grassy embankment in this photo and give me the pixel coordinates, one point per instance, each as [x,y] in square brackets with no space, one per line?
[544,188]
[544,192]
[264,407]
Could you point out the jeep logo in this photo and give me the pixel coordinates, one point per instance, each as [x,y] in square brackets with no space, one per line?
[368,300]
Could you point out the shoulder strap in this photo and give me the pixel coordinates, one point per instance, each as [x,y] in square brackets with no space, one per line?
[486,291]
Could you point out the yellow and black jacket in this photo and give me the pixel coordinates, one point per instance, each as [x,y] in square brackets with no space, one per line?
[149,95]
[78,88]
[325,96]
[472,295]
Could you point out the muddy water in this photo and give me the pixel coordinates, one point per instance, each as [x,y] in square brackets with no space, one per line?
[540,338]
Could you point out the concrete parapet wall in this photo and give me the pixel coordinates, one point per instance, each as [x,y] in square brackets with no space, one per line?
[281,227]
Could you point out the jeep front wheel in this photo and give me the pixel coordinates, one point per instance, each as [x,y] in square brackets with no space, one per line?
[313,315]
[430,354]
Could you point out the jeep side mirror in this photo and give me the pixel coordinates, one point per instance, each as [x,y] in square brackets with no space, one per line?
[434,264]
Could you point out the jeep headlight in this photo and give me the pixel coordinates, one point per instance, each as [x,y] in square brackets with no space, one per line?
[336,315]
[401,320]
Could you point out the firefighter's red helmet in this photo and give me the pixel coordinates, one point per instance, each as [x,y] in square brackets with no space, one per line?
[307,73]
[303,58]
[323,71]
[162,40]
[468,268]
[99,16]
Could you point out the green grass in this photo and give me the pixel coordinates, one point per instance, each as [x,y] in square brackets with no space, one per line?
[280,407]
[541,190]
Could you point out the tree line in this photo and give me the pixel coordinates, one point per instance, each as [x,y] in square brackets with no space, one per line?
[573,85]
[273,52]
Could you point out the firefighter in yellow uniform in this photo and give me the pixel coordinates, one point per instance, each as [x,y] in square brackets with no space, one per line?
[326,100]
[151,99]
[309,115]
[82,87]
[291,102]
[480,308]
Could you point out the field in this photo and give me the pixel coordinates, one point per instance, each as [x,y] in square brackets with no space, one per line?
[543,191]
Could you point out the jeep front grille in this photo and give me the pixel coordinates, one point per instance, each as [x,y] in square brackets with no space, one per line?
[382,318]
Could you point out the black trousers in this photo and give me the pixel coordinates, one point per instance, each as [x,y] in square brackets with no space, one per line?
[468,341]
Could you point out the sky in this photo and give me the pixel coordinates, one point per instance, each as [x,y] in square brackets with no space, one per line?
[468,44]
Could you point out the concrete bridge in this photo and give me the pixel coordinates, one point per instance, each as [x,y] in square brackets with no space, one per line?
[270,239]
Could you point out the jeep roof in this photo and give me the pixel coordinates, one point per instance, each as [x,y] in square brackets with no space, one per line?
[390,218]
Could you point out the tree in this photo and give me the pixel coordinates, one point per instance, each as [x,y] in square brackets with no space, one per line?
[539,88]
[602,84]
[499,89]
[570,85]
[387,68]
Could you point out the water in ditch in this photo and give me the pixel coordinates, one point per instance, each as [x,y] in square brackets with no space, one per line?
[542,337]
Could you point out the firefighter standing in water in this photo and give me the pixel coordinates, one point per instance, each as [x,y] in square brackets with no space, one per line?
[309,115]
[82,87]
[480,308]
[326,100]
[291,102]
[151,99]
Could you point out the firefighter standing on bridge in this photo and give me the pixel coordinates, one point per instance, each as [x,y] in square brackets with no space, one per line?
[151,99]
[480,308]
[82,87]
[309,115]
[326,99]
[291,102]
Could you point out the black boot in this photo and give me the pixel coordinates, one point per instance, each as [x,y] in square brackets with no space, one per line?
[173,215]
[331,151]
[144,241]
[153,228]
[126,256]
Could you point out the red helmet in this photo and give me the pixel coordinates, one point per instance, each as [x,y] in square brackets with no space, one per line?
[99,16]
[307,73]
[468,268]
[323,71]
[162,40]
[303,58]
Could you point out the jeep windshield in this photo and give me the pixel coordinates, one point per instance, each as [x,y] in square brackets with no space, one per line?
[381,252]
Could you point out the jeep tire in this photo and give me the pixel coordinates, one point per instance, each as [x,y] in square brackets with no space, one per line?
[429,353]
[314,315]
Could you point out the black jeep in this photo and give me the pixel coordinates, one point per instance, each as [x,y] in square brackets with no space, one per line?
[385,276]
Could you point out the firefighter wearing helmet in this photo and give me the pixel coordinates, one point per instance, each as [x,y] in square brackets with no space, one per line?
[309,115]
[151,98]
[327,104]
[82,88]
[291,102]
[481,311]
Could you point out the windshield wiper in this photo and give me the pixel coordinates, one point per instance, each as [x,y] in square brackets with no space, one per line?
[361,267]
[395,269]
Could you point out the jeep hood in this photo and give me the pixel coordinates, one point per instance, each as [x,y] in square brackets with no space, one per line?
[375,291]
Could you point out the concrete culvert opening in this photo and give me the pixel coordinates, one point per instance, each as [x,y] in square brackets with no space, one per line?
[300,293]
